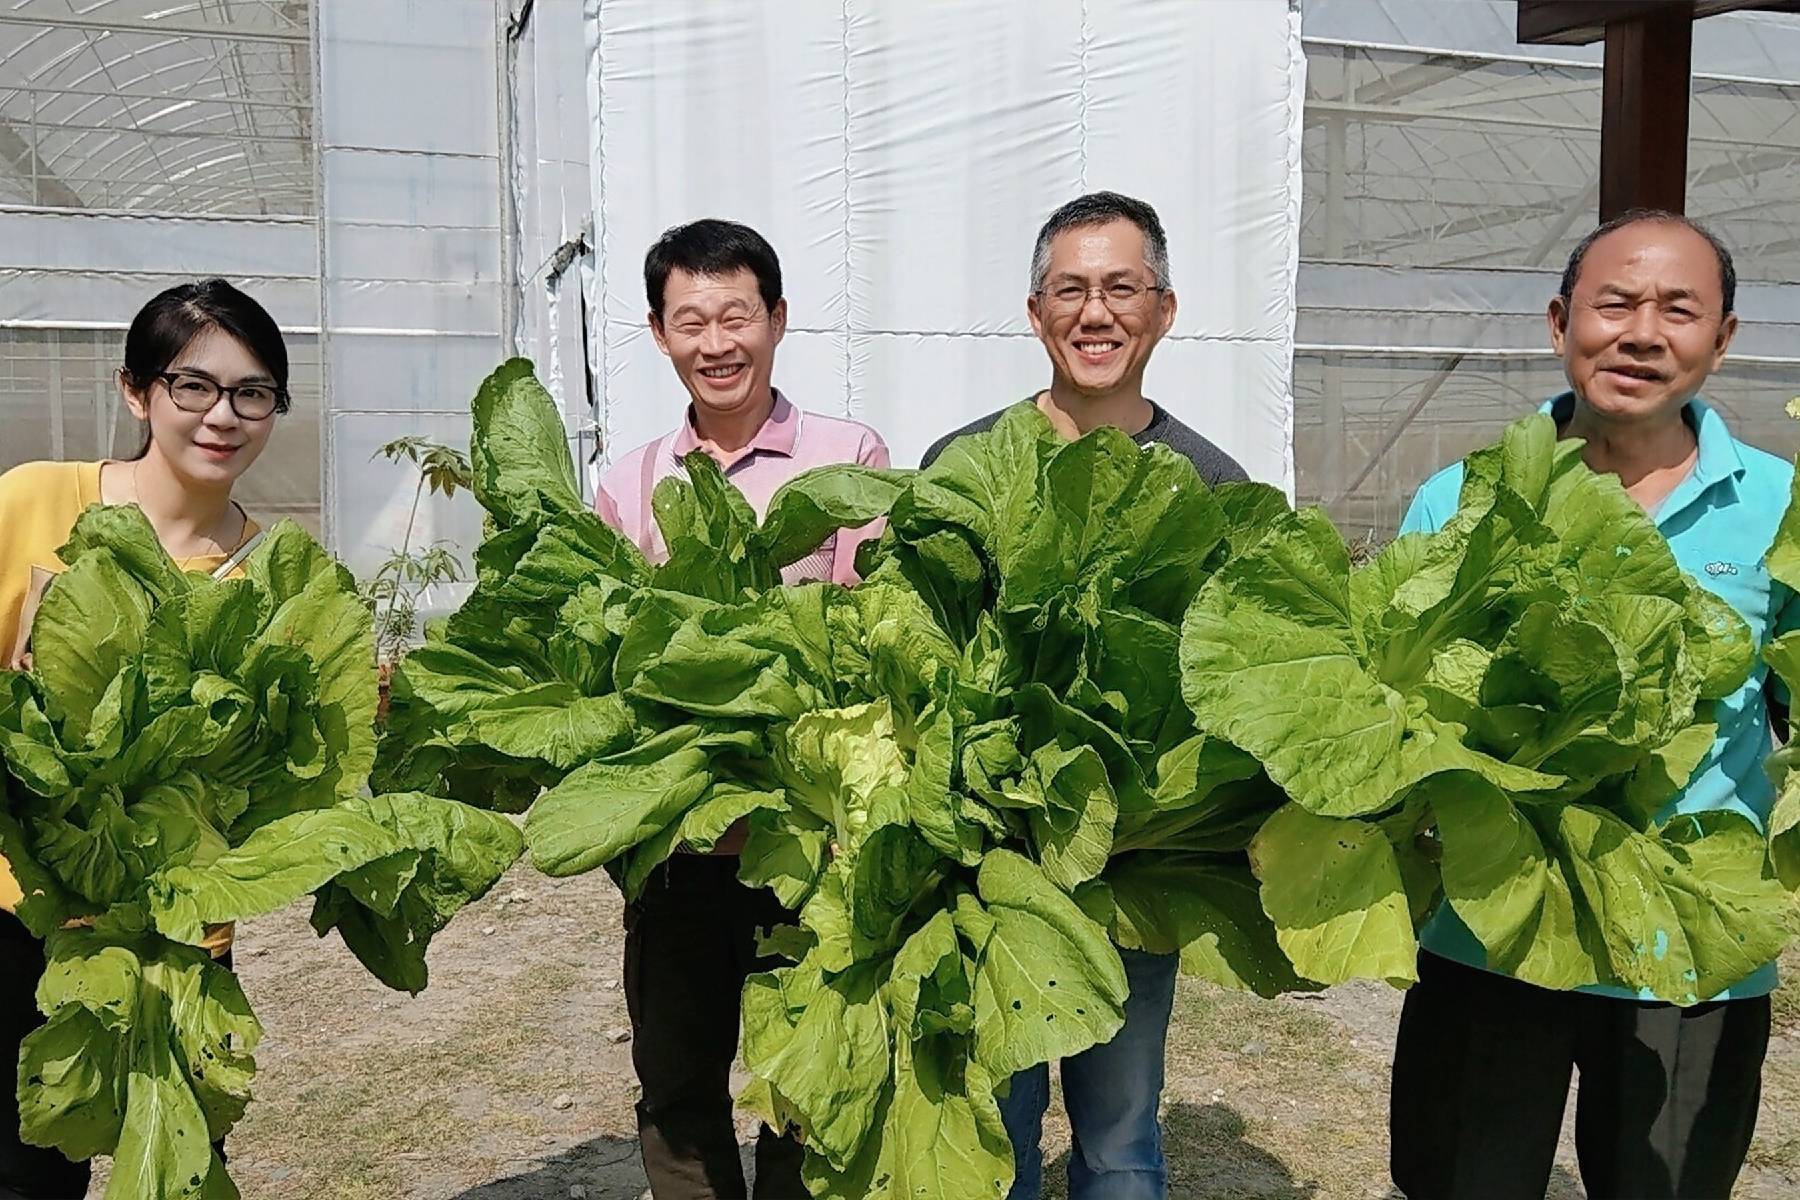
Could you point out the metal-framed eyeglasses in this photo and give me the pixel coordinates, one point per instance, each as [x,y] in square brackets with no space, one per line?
[197,394]
[1120,296]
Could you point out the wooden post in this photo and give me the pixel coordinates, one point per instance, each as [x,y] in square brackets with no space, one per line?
[1644,122]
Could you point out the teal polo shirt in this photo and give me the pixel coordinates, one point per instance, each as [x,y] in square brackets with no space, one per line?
[1719,521]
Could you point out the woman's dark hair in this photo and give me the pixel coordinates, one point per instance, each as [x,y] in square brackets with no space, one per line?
[164,327]
[711,248]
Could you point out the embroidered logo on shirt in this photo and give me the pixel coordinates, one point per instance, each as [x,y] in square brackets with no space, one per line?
[1716,569]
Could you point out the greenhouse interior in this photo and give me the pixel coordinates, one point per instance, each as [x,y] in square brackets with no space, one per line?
[418,189]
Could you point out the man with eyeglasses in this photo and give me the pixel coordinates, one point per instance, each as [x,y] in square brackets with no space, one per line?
[1100,301]
[717,312]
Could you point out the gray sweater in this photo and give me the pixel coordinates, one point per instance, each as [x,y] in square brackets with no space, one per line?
[1215,466]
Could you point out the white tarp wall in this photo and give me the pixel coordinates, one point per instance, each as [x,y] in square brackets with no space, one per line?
[901,157]
[547,116]
[411,282]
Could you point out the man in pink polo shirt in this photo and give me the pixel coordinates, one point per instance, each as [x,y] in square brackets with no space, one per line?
[716,310]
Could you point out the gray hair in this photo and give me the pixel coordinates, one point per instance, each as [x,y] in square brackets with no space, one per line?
[1099,208]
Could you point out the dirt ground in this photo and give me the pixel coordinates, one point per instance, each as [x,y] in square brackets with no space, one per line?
[510,1077]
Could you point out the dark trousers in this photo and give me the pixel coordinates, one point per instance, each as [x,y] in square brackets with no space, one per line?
[690,942]
[29,1172]
[1665,1110]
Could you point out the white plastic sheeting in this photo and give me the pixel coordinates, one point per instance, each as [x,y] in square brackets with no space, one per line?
[549,178]
[411,236]
[901,157]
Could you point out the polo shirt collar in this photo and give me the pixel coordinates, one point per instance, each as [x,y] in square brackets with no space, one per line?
[1718,457]
[778,435]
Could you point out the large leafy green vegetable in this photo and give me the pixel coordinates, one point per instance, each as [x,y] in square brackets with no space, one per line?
[1530,686]
[1783,658]
[972,776]
[188,752]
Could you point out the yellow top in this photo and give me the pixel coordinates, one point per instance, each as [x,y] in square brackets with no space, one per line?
[39,502]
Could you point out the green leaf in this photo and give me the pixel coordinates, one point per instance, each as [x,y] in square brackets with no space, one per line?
[287,561]
[700,829]
[146,1054]
[1073,829]
[1505,886]
[768,657]
[1683,917]
[279,863]
[90,622]
[1277,615]
[126,536]
[602,809]
[1205,908]
[1783,558]
[458,853]
[715,549]
[940,1136]
[551,722]
[790,1016]
[1048,983]
[815,504]
[1333,889]
[834,761]
[520,451]
[781,857]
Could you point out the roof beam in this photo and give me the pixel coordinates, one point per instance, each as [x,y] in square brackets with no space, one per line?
[230,33]
[22,156]
[1579,22]
[1317,110]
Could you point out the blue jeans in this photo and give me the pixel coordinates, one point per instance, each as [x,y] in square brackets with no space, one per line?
[1112,1092]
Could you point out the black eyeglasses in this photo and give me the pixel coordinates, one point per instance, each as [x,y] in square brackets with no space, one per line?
[1121,296]
[197,394]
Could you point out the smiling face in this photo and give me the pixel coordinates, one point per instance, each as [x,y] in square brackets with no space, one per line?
[203,449]
[721,339]
[1095,351]
[1645,323]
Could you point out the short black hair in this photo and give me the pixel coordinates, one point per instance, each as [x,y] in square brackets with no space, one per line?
[712,247]
[1099,208]
[1635,216]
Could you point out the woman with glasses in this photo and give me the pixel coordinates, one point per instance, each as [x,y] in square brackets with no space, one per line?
[206,371]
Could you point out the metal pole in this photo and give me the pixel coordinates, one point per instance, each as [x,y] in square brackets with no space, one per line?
[54,345]
[1331,394]
[321,213]
[509,28]
[36,149]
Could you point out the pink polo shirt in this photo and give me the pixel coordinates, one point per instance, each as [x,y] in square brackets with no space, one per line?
[790,441]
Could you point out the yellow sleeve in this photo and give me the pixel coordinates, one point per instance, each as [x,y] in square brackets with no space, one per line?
[38,505]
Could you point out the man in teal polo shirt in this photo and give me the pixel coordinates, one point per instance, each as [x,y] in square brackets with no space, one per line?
[1668,1095]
